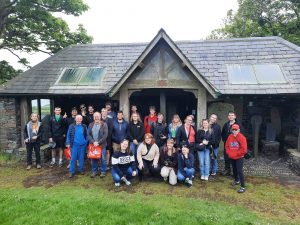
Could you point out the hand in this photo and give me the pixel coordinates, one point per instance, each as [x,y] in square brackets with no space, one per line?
[163,137]
[68,146]
[26,140]
[50,140]
[34,138]
[135,142]
[65,115]
[205,142]
[64,135]
[96,143]
[134,173]
[83,113]
[141,166]
[155,165]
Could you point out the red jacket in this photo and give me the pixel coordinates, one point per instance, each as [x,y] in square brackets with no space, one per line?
[148,121]
[236,147]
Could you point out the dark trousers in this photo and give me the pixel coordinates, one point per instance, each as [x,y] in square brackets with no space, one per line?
[36,147]
[148,168]
[238,171]
[227,161]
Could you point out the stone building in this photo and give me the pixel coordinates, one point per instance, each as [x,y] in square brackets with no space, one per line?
[253,76]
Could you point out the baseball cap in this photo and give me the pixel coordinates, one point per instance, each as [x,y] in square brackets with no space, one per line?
[235,127]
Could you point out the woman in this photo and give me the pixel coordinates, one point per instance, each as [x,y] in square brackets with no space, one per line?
[173,127]
[148,156]
[97,135]
[135,132]
[168,159]
[123,165]
[186,169]
[160,131]
[32,138]
[204,142]
[186,134]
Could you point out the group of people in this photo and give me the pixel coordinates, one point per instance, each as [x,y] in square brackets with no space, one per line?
[141,148]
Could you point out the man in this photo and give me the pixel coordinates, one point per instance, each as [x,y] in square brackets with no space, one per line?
[236,148]
[90,114]
[71,119]
[217,134]
[83,114]
[133,109]
[77,141]
[57,133]
[119,131]
[111,114]
[97,135]
[226,131]
[150,119]
[108,121]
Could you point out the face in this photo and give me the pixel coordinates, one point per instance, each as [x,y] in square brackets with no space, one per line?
[97,117]
[74,112]
[188,120]
[185,150]
[82,107]
[133,108]
[57,111]
[78,119]
[152,111]
[104,113]
[176,119]
[124,145]
[213,118]
[134,117]
[160,118]
[170,145]
[148,140]
[205,124]
[231,116]
[120,116]
[235,132]
[91,109]
[108,107]
[34,117]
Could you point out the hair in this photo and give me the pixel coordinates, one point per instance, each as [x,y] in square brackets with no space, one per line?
[34,113]
[231,112]
[209,127]
[188,116]
[149,135]
[128,148]
[214,114]
[91,106]
[165,149]
[120,111]
[74,108]
[108,103]
[82,105]
[152,107]
[139,117]
[57,107]
[176,116]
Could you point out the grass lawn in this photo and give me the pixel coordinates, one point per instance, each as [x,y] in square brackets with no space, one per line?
[47,196]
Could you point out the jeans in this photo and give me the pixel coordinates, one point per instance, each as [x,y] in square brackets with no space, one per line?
[36,147]
[204,161]
[133,148]
[117,177]
[187,173]
[95,162]
[214,163]
[238,171]
[77,153]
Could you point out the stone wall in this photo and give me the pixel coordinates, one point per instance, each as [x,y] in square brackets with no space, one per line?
[10,127]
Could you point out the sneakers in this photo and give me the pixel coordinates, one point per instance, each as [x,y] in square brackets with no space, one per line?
[241,190]
[188,182]
[38,166]
[102,174]
[127,182]
[234,183]
[52,163]
[81,173]
[213,174]
[60,164]
[206,178]
[202,177]
[117,184]
[28,167]
[93,175]
[71,175]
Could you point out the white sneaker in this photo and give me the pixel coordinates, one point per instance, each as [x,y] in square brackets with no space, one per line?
[202,177]
[117,184]
[205,177]
[127,182]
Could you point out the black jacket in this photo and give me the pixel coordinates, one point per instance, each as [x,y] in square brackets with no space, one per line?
[181,137]
[217,133]
[201,135]
[27,135]
[158,130]
[226,130]
[166,160]
[135,131]
[108,121]
[57,128]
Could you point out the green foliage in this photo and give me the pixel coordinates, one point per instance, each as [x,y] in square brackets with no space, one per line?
[7,72]
[258,18]
[31,26]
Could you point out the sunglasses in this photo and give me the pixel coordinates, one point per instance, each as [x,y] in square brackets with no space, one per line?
[82,107]
[234,129]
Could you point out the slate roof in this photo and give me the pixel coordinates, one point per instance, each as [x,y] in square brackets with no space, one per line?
[209,57]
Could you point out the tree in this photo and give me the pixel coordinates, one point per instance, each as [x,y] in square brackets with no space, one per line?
[258,18]
[31,26]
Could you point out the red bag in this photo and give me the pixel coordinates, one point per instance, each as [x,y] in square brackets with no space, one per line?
[67,152]
[94,152]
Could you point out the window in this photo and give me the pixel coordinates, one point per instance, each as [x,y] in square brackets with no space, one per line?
[42,107]
[81,76]
[256,74]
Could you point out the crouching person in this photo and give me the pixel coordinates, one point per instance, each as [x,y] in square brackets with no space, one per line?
[236,148]
[186,168]
[32,136]
[77,140]
[123,165]
[148,156]
[168,160]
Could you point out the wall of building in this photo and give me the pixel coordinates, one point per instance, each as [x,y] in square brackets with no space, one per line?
[10,125]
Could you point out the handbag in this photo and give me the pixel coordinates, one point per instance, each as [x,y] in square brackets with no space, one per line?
[67,153]
[94,152]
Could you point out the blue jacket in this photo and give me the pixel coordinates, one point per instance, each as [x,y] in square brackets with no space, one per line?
[77,134]
[185,163]
[119,131]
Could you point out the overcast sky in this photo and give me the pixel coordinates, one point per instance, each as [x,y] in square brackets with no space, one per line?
[120,21]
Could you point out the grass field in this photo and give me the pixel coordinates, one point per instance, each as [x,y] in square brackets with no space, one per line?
[47,196]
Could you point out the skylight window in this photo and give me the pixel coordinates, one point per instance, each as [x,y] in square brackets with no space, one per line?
[256,74]
[81,76]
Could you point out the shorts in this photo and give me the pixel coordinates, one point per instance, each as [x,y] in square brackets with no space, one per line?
[60,141]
